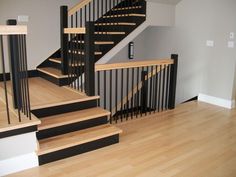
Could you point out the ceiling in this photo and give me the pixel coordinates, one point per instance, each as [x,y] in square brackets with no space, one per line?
[166,1]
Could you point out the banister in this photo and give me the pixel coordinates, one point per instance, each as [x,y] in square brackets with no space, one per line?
[74,30]
[78,6]
[12,30]
[132,64]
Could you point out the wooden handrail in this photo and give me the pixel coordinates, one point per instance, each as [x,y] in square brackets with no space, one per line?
[12,30]
[78,6]
[132,64]
[74,30]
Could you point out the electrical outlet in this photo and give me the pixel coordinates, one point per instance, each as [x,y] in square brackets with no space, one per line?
[230,44]
[23,18]
[210,43]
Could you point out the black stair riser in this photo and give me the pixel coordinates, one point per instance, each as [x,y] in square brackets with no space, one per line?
[130,19]
[82,46]
[115,28]
[57,81]
[79,149]
[71,127]
[50,111]
[126,11]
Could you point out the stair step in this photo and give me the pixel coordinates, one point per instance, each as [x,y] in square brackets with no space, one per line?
[125,15]
[72,139]
[127,8]
[52,72]
[110,33]
[115,24]
[72,117]
[97,42]
[65,106]
[56,60]
[82,53]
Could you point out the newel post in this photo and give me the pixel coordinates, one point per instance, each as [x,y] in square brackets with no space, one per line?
[173,81]
[14,64]
[89,59]
[64,39]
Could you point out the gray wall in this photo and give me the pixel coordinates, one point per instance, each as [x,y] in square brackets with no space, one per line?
[202,69]
[43,26]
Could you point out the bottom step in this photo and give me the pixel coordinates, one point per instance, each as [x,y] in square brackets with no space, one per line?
[70,144]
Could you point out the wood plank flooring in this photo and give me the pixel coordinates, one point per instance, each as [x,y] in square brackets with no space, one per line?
[194,140]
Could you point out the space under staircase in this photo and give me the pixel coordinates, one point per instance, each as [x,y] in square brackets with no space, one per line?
[88,31]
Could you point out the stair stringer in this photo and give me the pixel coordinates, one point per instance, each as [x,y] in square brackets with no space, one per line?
[109,55]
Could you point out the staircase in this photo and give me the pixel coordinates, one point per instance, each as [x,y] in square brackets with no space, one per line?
[109,29]
[73,127]
[78,126]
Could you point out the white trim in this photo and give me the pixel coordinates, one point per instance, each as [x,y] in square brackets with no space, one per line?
[229,104]
[18,163]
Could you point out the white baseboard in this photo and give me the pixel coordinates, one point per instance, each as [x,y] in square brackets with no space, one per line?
[19,163]
[229,104]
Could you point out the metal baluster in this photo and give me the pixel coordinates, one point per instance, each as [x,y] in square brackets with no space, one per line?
[5,80]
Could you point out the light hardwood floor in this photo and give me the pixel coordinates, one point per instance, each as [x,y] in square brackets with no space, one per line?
[194,140]
[43,92]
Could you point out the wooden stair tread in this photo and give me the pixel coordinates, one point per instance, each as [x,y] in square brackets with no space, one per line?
[76,138]
[56,60]
[127,8]
[112,32]
[72,117]
[66,102]
[98,42]
[82,53]
[115,24]
[52,72]
[124,15]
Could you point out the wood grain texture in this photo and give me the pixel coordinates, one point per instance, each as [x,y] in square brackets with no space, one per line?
[52,72]
[56,60]
[76,138]
[194,140]
[124,15]
[74,31]
[13,30]
[132,64]
[72,117]
[78,7]
[115,24]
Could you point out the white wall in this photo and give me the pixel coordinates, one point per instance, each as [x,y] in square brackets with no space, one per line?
[18,153]
[201,69]
[43,26]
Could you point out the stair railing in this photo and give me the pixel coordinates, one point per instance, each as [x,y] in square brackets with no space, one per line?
[93,12]
[131,89]
[16,48]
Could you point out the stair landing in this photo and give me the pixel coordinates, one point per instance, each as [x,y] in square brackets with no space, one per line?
[43,92]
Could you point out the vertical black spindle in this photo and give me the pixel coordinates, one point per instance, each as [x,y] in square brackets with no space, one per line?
[64,39]
[156,88]
[137,94]
[110,103]
[150,92]
[89,60]
[99,87]
[4,79]
[132,93]
[127,95]
[116,92]
[163,87]
[122,84]
[159,88]
[105,89]
[173,81]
